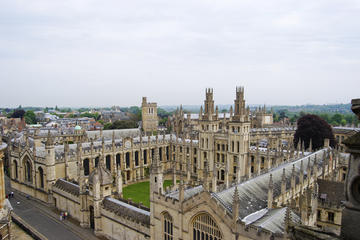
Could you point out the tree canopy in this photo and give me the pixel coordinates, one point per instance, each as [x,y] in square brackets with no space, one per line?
[313,127]
[18,113]
[30,117]
[120,124]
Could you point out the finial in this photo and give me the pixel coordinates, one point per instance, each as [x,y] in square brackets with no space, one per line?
[271,184]
[283,175]
[236,197]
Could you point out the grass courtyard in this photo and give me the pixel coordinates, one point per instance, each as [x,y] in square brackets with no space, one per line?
[140,192]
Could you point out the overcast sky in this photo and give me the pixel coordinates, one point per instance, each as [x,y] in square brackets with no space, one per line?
[104,53]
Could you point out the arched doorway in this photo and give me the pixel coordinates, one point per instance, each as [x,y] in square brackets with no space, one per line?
[92,221]
[204,227]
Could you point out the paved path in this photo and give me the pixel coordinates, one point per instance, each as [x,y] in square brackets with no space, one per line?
[45,220]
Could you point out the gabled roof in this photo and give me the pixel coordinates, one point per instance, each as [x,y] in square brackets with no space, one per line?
[274,220]
[124,209]
[253,192]
[67,186]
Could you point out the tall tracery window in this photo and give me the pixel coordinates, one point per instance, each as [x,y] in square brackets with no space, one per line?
[41,177]
[168,227]
[15,170]
[28,176]
[205,228]
[86,167]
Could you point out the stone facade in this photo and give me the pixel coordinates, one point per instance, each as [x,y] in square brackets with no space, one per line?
[228,189]
[260,118]
[149,116]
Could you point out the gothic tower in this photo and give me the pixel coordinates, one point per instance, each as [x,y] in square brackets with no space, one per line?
[149,116]
[239,137]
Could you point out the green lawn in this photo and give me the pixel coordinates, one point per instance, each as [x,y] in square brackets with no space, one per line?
[140,192]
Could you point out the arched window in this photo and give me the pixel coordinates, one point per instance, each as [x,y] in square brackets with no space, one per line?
[15,170]
[205,228]
[96,161]
[118,162]
[136,158]
[145,156]
[86,166]
[108,162]
[168,227]
[28,176]
[127,159]
[41,177]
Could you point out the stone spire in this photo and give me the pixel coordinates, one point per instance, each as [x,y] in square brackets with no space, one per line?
[206,176]
[181,191]
[287,219]
[270,193]
[293,178]
[156,176]
[301,172]
[239,104]
[214,180]
[209,103]
[49,140]
[235,205]
[283,182]
[119,182]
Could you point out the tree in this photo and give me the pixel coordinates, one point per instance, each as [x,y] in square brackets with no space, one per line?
[294,118]
[120,124]
[30,117]
[18,113]
[336,119]
[283,114]
[315,128]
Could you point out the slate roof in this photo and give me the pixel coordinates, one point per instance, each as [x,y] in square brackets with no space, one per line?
[119,133]
[253,192]
[331,192]
[274,220]
[188,193]
[124,209]
[102,174]
[67,186]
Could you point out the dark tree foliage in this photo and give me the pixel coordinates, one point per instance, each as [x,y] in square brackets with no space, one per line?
[120,124]
[313,127]
[19,113]
[30,117]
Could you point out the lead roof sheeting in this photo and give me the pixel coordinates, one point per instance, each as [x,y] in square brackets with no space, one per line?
[119,133]
[188,193]
[253,192]
[67,186]
[274,220]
